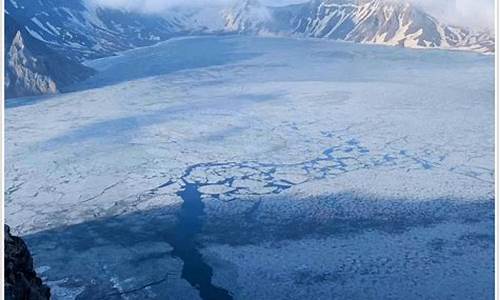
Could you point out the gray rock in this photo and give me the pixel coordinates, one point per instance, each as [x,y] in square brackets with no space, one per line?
[32,68]
[385,22]
[82,30]
[21,281]
[45,40]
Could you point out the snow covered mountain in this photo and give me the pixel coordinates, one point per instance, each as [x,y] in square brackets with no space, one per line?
[77,30]
[363,21]
[83,30]
[31,68]
[86,30]
[249,16]
[383,22]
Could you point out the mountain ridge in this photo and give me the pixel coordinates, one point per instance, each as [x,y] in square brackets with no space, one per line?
[86,31]
[32,68]
[381,22]
[65,33]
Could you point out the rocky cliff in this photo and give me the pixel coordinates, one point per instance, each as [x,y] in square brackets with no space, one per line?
[32,68]
[21,281]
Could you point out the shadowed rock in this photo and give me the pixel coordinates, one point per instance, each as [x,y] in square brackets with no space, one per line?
[21,281]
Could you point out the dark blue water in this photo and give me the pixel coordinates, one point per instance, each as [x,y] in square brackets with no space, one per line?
[190,223]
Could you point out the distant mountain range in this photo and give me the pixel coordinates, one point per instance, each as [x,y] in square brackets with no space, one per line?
[51,37]
[83,31]
[385,22]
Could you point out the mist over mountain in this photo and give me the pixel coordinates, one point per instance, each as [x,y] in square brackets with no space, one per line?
[97,28]
[476,15]
[74,31]
[250,149]
[394,23]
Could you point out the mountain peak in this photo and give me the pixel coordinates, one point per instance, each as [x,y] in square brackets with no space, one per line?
[386,22]
[83,31]
[32,68]
[18,41]
[247,16]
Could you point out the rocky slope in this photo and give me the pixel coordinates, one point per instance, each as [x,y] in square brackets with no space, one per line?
[84,29]
[385,22]
[21,281]
[46,39]
[249,16]
[32,68]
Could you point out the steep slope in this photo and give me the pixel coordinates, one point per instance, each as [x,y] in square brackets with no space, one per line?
[31,68]
[248,16]
[21,281]
[384,22]
[83,30]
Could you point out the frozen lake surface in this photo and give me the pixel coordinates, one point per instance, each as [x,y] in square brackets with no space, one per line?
[260,168]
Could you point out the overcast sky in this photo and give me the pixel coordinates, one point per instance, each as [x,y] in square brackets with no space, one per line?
[477,14]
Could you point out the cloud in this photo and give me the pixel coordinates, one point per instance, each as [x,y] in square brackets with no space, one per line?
[475,14]
[156,6]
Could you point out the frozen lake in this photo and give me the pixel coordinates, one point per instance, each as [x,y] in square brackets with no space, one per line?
[260,168]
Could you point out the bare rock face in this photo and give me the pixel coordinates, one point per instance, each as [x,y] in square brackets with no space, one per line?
[83,30]
[26,75]
[384,22]
[32,68]
[21,281]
